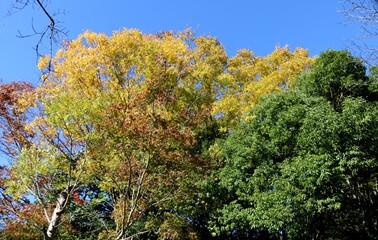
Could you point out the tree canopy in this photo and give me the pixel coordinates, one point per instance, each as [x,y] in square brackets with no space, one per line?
[163,136]
[305,167]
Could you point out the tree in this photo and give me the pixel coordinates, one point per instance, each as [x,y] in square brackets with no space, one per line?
[249,77]
[121,114]
[305,166]
[16,212]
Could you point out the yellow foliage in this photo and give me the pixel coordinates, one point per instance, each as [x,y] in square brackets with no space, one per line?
[124,111]
[44,62]
[128,108]
[249,77]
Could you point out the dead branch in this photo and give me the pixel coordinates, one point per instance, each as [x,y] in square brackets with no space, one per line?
[365,14]
[52,32]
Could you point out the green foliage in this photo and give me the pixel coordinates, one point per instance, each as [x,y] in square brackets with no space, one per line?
[305,167]
[335,76]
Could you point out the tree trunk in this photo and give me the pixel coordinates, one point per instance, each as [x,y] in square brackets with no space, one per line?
[58,211]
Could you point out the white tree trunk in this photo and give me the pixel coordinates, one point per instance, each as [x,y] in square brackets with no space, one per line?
[58,211]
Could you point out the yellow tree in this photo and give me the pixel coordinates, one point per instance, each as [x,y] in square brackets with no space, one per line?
[250,77]
[122,112]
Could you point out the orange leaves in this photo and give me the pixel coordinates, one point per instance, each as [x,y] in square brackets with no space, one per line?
[15,99]
[12,96]
[77,199]
[26,223]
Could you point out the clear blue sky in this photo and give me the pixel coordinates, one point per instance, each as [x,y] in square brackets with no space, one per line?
[257,25]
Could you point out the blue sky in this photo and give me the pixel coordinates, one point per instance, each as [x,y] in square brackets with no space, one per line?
[257,25]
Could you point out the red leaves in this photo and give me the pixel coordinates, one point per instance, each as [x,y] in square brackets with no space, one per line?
[12,117]
[10,92]
[25,222]
[77,199]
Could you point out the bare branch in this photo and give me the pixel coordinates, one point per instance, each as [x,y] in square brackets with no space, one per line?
[52,32]
[52,21]
[364,13]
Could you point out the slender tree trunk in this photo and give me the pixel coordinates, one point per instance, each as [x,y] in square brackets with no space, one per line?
[56,216]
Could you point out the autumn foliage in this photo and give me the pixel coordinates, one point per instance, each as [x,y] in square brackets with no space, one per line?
[15,99]
[250,77]
[115,140]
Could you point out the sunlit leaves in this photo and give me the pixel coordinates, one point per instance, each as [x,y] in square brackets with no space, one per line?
[305,165]
[249,77]
[124,111]
[121,128]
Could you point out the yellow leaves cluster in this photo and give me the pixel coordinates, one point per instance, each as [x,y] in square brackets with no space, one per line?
[25,101]
[129,62]
[249,77]
[44,61]
[123,66]
[94,61]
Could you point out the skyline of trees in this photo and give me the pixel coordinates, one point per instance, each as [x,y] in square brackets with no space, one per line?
[125,138]
[163,136]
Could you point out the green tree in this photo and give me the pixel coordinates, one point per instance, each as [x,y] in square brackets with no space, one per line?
[306,166]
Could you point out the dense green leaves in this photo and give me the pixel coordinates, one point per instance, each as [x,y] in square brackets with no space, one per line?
[335,76]
[305,167]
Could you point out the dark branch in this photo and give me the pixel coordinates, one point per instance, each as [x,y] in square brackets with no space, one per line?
[364,13]
[52,21]
[51,33]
